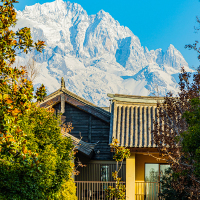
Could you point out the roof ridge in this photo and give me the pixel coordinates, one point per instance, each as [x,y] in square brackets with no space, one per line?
[52,94]
[85,101]
[75,96]
[133,96]
[78,97]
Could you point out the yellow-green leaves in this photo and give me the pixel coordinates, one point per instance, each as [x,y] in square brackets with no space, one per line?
[40,93]
[12,43]
[121,153]
[35,160]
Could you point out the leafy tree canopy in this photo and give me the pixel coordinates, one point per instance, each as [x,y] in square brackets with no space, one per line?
[176,134]
[35,159]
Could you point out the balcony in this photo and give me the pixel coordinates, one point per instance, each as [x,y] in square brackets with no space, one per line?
[146,190]
[94,190]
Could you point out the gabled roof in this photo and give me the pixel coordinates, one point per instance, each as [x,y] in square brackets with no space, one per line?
[76,101]
[132,119]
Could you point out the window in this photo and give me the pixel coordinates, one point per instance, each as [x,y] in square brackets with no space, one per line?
[104,173]
[153,174]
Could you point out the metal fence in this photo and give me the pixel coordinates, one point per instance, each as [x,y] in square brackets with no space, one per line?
[146,190]
[93,190]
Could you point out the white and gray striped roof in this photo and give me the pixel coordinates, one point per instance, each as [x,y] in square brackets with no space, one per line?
[132,119]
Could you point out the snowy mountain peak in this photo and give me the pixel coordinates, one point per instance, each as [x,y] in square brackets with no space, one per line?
[53,10]
[95,54]
[59,3]
[171,47]
[102,14]
[73,6]
[172,50]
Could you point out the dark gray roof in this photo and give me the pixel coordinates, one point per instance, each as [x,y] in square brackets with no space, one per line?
[84,147]
[78,98]
[77,101]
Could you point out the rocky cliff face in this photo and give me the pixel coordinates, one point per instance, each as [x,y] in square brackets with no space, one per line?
[95,54]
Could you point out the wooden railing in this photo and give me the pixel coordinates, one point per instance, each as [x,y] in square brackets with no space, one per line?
[146,190]
[93,190]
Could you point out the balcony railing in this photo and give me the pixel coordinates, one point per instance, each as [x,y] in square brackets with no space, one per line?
[146,190]
[94,190]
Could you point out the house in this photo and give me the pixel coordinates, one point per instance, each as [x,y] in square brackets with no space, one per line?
[131,123]
[130,120]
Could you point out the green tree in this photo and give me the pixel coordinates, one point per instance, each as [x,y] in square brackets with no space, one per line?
[176,134]
[191,138]
[42,168]
[35,159]
[167,192]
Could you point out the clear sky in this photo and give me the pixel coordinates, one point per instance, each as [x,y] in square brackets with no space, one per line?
[157,23]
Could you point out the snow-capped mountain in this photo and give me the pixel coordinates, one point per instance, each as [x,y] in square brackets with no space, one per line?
[95,54]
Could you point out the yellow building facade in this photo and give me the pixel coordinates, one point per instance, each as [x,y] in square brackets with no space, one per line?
[132,122]
[136,185]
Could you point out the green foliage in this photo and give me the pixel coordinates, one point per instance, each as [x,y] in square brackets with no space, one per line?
[179,142]
[40,93]
[119,191]
[167,191]
[121,153]
[44,163]
[191,139]
[35,159]
[13,42]
[68,191]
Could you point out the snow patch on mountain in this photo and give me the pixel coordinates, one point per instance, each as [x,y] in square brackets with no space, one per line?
[95,54]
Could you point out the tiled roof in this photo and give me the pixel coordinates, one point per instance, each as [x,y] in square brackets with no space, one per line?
[132,120]
[99,109]
[84,147]
[79,99]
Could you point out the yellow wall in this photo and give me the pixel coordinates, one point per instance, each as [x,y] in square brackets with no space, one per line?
[130,177]
[140,161]
[135,169]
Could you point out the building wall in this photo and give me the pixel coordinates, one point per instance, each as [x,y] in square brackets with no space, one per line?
[140,161]
[89,127]
[135,177]
[92,171]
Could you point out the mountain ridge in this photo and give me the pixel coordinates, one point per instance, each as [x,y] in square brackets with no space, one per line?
[95,54]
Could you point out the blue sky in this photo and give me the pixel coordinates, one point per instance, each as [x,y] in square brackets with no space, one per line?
[157,23]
